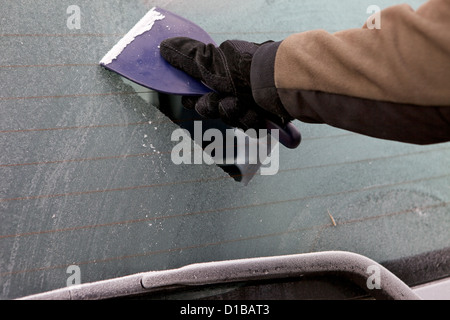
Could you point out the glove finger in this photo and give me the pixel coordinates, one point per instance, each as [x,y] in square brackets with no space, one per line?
[240,112]
[189,102]
[237,115]
[252,119]
[207,106]
[244,113]
[202,61]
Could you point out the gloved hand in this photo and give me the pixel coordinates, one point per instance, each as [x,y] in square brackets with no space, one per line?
[226,70]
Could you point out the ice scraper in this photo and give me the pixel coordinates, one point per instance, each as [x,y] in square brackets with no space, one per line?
[137,57]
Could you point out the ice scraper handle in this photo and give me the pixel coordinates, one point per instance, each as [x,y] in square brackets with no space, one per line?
[289,135]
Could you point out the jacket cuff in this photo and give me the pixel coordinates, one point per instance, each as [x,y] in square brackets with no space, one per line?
[262,77]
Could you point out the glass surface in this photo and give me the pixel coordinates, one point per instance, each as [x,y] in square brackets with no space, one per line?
[86,176]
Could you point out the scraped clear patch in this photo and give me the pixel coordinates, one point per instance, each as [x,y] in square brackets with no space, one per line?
[144,25]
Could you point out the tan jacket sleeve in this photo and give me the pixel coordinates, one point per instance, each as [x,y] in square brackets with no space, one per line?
[391,83]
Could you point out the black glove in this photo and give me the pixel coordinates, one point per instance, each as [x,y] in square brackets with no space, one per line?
[226,70]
